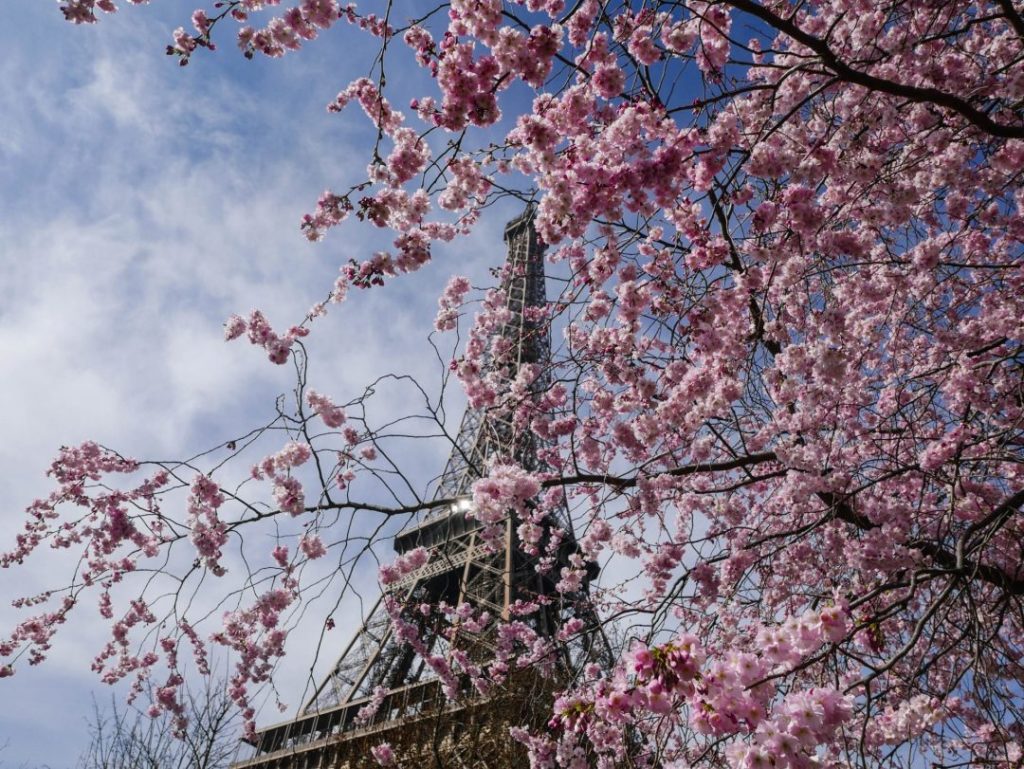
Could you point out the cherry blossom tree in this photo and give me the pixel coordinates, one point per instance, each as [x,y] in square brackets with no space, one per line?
[787,385]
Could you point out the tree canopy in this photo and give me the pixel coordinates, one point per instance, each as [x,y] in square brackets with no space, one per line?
[786,388]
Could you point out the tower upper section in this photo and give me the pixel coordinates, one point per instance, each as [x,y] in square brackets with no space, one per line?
[486,433]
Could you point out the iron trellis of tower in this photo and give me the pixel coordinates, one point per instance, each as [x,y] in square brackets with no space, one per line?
[413,711]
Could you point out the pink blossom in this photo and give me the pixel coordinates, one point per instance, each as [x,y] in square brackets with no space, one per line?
[452,298]
[333,416]
[312,546]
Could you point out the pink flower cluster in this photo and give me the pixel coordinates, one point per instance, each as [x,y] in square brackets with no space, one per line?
[450,302]
[383,754]
[528,57]
[331,210]
[376,107]
[665,672]
[117,658]
[110,521]
[372,707]
[403,566]
[333,416]
[409,157]
[35,634]
[278,346]
[468,85]
[207,531]
[789,643]
[467,186]
[799,724]
[909,719]
[505,491]
[288,31]
[409,632]
[287,490]
[479,19]
[256,637]
[312,546]
[729,697]
[84,11]
[713,52]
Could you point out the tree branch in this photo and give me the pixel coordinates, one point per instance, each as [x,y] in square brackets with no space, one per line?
[830,59]
[940,555]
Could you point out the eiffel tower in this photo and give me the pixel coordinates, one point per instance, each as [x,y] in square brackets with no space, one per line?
[385,676]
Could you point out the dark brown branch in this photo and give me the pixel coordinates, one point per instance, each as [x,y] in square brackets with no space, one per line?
[830,59]
[943,557]
[630,482]
[1012,16]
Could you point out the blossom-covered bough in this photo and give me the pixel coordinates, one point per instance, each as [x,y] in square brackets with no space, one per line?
[786,404]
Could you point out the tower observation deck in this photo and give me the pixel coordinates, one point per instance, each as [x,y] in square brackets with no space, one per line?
[424,725]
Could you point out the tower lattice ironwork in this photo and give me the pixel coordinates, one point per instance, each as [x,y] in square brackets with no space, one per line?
[415,715]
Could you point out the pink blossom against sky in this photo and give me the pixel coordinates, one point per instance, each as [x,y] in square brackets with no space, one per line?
[144,203]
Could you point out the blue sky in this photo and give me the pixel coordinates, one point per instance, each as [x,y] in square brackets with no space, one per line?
[141,204]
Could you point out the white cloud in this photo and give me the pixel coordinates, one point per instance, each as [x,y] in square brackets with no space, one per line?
[137,221]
